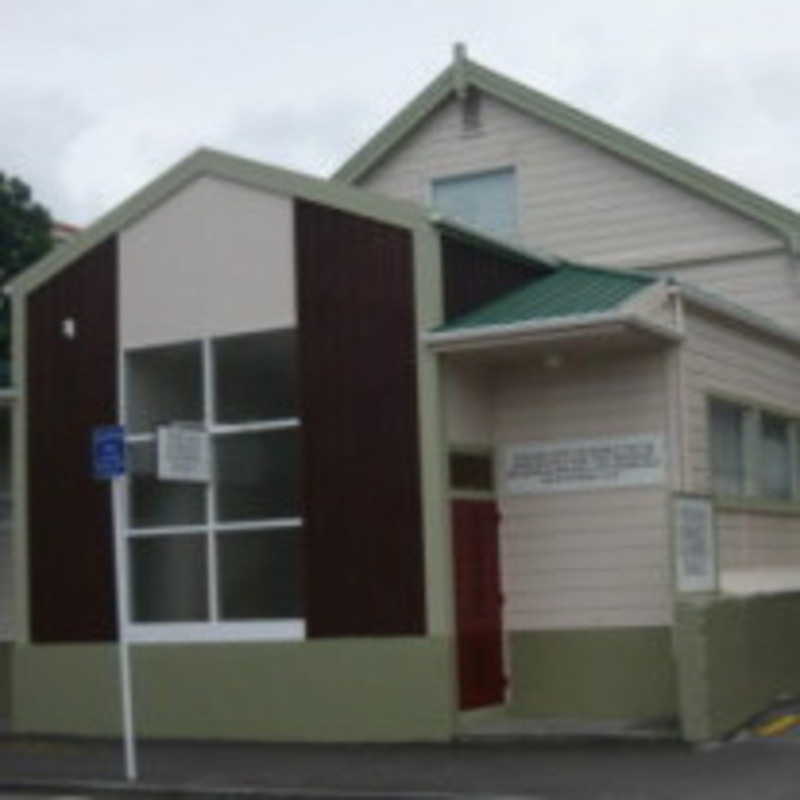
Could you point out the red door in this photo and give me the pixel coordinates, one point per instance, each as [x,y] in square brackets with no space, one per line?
[478,603]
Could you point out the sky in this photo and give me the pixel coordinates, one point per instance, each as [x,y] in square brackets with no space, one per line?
[98,97]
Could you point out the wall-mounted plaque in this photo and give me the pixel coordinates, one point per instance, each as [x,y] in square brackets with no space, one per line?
[695,544]
[576,464]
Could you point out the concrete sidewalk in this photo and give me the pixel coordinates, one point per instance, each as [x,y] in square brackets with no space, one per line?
[763,769]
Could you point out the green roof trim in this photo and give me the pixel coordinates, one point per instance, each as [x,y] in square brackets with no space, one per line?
[671,167]
[569,291]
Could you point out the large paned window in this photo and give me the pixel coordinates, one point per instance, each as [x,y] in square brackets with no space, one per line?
[753,453]
[484,200]
[215,559]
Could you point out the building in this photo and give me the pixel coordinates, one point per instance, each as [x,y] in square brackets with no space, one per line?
[523,165]
[408,421]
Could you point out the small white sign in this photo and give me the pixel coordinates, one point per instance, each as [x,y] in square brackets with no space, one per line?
[695,544]
[184,454]
[576,464]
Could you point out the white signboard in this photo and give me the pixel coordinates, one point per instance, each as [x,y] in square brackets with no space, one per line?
[695,544]
[184,454]
[575,464]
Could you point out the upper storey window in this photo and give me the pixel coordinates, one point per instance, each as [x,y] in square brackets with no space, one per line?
[483,200]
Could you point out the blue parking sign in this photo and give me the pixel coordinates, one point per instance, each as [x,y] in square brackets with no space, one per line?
[108,451]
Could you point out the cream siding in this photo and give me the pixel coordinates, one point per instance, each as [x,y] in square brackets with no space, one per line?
[466,393]
[574,198]
[215,258]
[584,558]
[756,546]
[768,284]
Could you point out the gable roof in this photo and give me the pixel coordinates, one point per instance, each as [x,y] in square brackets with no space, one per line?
[212,163]
[463,73]
[569,291]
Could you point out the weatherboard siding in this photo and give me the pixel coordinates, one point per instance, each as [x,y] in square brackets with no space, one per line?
[585,558]
[468,404]
[574,198]
[768,284]
[722,359]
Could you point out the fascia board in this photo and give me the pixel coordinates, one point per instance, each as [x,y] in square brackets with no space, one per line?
[225,167]
[671,167]
[396,128]
[492,335]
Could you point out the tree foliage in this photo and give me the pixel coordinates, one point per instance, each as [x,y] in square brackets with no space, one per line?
[25,228]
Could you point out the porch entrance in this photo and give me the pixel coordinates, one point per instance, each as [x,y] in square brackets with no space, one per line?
[478,603]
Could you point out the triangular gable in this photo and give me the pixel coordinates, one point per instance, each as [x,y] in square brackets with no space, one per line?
[463,73]
[205,162]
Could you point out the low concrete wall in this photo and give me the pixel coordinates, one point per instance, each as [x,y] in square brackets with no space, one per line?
[736,656]
[601,672]
[327,690]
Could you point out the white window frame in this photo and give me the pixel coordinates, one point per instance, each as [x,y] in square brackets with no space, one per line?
[214,628]
[753,490]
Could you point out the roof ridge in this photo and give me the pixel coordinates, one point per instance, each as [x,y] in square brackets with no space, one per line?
[700,180]
[632,274]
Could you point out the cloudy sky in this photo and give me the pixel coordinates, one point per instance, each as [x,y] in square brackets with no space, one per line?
[99,96]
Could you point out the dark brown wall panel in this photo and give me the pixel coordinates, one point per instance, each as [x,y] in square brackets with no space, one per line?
[473,276]
[362,507]
[71,386]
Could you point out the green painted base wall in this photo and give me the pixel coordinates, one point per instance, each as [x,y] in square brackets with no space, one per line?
[600,672]
[737,656]
[328,690]
[5,679]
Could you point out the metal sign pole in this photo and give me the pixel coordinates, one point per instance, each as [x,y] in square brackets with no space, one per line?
[109,464]
[118,497]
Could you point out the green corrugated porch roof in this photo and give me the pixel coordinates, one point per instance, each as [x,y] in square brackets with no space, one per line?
[570,290]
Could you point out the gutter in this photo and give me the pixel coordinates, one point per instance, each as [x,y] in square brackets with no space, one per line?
[489,335]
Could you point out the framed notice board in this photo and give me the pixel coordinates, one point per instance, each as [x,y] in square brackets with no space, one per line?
[695,543]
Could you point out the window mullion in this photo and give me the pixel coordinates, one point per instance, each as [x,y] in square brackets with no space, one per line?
[752,452]
[794,459]
[209,415]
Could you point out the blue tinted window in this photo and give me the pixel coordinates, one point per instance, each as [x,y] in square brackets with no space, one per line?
[485,200]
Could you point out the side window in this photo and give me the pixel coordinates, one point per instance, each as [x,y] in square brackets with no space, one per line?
[727,448]
[753,453]
[484,200]
[225,554]
[776,457]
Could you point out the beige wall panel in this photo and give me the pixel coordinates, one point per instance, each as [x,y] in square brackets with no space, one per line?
[585,558]
[467,401]
[215,258]
[574,198]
